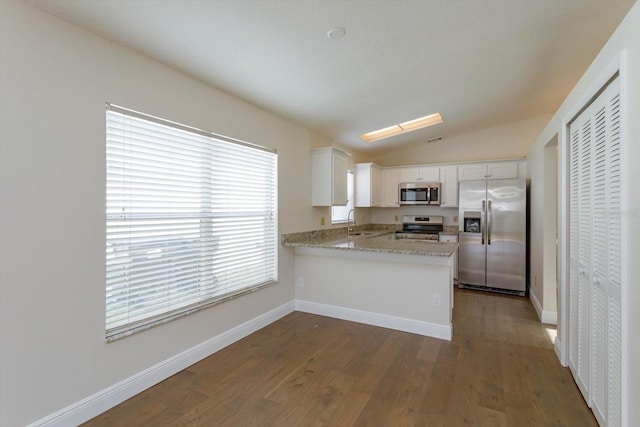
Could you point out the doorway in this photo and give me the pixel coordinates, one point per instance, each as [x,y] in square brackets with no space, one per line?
[550,251]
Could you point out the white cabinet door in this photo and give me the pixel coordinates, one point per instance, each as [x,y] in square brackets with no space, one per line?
[409,174]
[449,186]
[376,185]
[368,176]
[339,182]
[329,177]
[389,188]
[420,174]
[451,238]
[472,172]
[498,170]
[502,170]
[429,173]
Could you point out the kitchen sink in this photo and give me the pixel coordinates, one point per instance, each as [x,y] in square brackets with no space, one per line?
[365,233]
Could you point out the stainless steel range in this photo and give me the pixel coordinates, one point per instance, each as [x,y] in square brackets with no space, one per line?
[420,227]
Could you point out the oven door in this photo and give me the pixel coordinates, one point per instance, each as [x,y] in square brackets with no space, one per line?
[407,235]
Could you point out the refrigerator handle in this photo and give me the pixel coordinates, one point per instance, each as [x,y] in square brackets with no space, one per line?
[489,222]
[482,221]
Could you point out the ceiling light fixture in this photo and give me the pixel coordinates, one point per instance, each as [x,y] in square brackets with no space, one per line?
[409,126]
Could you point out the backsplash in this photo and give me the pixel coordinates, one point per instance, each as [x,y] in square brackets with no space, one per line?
[388,215]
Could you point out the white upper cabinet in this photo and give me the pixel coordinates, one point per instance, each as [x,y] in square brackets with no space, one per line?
[449,186]
[368,185]
[389,188]
[419,174]
[378,187]
[329,177]
[498,170]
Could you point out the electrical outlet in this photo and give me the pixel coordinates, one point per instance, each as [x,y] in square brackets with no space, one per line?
[437,300]
[322,220]
[300,282]
[455,219]
[396,218]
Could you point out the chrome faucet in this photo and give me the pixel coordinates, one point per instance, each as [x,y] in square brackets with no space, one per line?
[351,224]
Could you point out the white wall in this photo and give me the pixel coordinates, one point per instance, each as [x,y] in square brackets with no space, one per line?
[626,36]
[55,79]
[511,141]
[542,219]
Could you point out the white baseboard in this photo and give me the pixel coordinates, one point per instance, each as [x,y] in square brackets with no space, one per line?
[377,319]
[101,401]
[557,347]
[545,316]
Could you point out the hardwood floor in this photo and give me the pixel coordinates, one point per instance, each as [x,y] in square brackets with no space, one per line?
[307,370]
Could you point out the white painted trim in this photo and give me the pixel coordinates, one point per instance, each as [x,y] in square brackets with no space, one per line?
[103,400]
[617,64]
[545,316]
[377,319]
[536,303]
[549,317]
[557,347]
[625,186]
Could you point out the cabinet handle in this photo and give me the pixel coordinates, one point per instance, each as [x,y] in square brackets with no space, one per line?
[489,222]
[482,221]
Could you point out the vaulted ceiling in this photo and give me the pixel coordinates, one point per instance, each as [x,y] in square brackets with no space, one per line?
[480,63]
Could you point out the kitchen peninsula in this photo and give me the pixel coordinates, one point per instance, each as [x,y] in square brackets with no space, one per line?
[374,278]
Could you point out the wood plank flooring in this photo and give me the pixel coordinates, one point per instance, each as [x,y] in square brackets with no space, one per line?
[307,370]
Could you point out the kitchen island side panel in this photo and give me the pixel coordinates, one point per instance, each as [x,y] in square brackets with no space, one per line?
[415,290]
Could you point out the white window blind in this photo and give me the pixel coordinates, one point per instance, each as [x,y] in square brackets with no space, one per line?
[191,220]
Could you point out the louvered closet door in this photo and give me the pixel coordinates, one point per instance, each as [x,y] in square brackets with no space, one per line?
[595,254]
[584,138]
[574,238]
[614,260]
[600,267]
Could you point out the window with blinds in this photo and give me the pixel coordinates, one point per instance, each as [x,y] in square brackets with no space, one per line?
[191,220]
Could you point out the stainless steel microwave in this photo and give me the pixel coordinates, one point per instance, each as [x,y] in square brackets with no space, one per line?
[419,193]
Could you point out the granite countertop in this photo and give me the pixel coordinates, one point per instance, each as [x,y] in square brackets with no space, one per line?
[450,230]
[375,240]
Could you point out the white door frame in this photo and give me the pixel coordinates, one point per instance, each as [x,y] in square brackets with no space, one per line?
[618,65]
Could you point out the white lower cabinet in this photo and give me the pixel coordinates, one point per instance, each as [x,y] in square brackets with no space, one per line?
[451,238]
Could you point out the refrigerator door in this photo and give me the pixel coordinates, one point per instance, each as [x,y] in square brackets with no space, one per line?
[472,248]
[506,234]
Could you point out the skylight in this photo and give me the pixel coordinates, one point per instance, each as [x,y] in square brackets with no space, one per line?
[409,126]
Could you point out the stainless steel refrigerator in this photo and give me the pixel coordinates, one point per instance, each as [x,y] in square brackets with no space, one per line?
[493,234]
